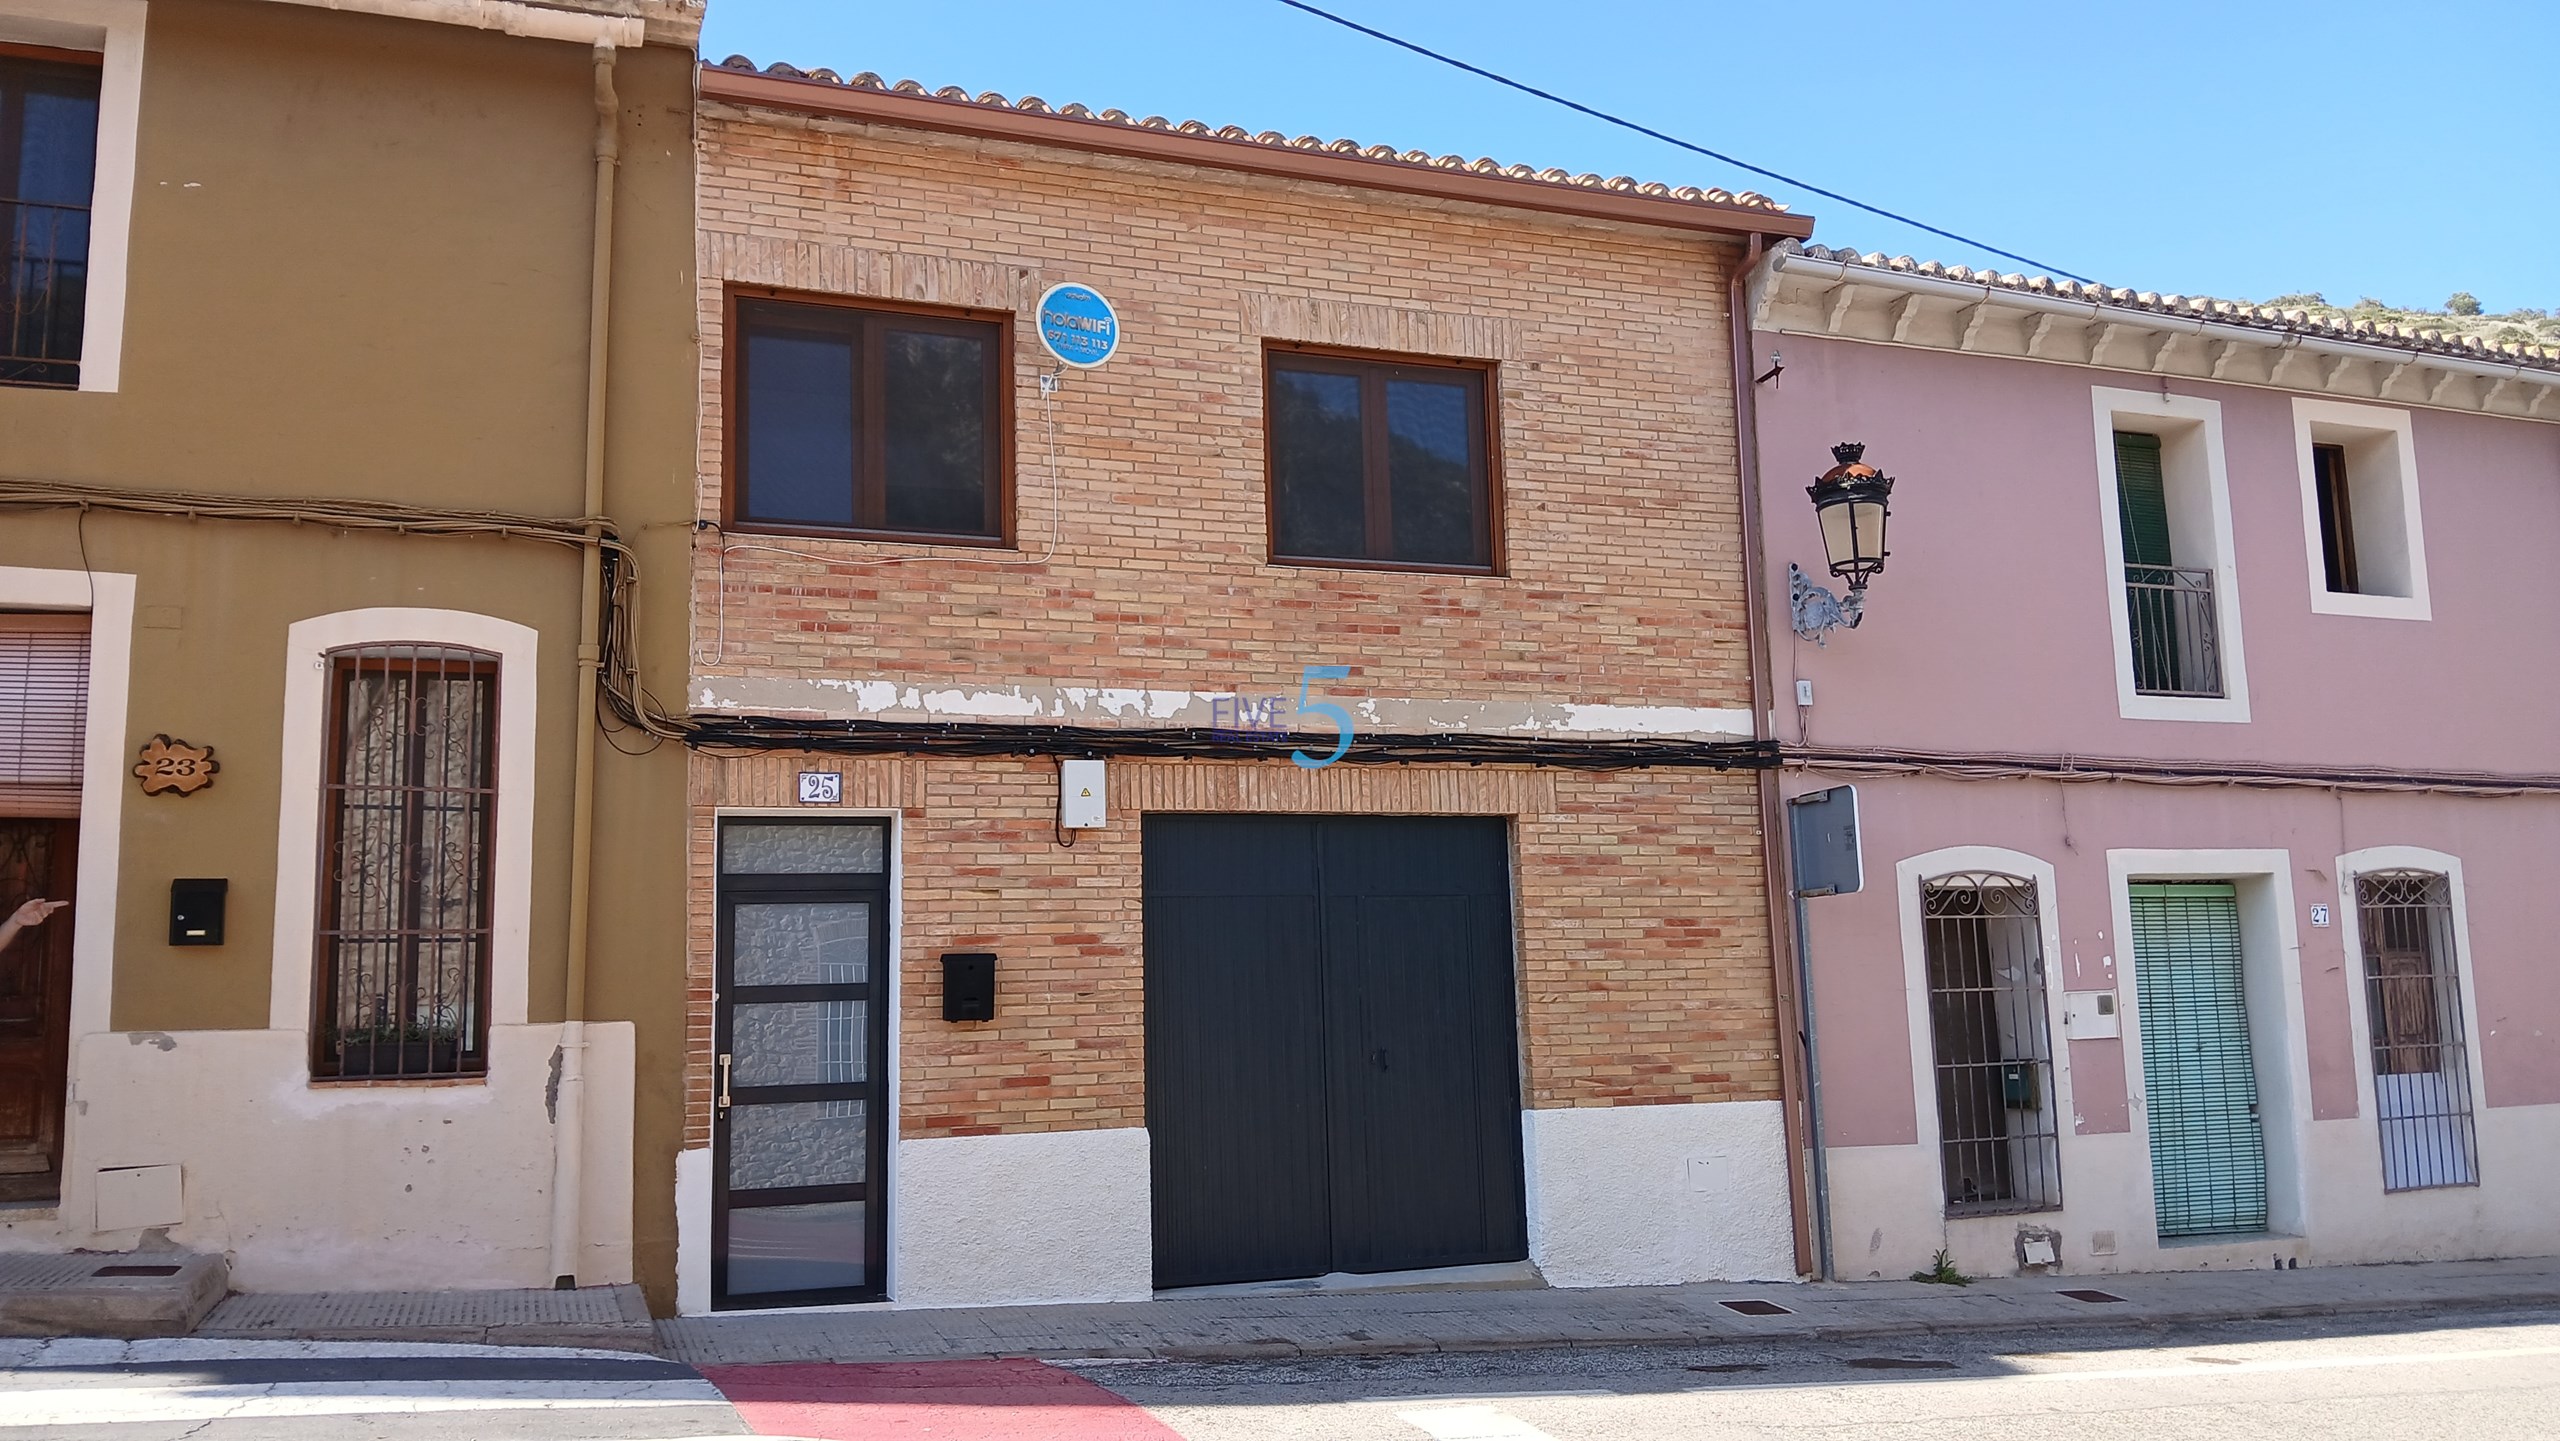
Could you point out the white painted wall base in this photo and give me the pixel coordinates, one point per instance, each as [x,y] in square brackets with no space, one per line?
[1887,1217]
[349,1188]
[693,1232]
[1022,1219]
[1656,1195]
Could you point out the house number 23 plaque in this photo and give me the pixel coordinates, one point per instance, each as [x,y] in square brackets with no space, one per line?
[173,767]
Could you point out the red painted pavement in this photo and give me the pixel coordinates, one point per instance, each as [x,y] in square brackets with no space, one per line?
[939,1400]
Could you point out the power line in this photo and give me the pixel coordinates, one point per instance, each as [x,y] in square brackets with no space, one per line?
[1625,124]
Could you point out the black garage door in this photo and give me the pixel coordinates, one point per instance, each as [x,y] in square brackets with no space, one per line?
[1332,1082]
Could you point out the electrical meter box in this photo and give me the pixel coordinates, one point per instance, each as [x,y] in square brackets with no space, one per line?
[1080,795]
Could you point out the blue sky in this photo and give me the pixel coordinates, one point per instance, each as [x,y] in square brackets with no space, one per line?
[2237,148]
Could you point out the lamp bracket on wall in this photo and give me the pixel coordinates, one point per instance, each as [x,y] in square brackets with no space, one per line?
[1817,611]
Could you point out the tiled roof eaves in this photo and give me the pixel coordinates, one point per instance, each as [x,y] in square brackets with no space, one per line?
[2198,309]
[1339,162]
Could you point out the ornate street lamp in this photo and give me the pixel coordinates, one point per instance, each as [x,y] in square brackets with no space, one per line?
[1852,502]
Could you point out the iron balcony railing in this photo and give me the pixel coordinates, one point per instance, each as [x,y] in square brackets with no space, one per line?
[2177,647]
[44,291]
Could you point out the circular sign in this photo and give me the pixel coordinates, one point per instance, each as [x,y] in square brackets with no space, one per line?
[1078,325]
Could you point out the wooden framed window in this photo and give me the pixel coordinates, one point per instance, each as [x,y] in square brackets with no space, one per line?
[48,168]
[870,420]
[2337,517]
[1381,462]
[409,810]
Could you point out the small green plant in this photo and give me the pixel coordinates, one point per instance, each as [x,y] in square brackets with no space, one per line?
[1942,1272]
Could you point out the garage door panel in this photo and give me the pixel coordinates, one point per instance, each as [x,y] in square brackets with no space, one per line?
[1332,1045]
[1423,1147]
[1234,1045]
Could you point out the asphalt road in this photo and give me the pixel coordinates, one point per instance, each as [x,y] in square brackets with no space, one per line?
[2477,1378]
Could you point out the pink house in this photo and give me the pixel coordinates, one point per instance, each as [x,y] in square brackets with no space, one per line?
[2205,732]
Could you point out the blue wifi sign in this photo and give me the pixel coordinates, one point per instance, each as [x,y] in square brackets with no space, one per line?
[1078,325]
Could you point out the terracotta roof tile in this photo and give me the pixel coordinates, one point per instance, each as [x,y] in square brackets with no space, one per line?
[1034,105]
[2205,307]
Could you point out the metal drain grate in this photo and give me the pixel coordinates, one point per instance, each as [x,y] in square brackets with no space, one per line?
[1756,1308]
[2091,1296]
[137,1271]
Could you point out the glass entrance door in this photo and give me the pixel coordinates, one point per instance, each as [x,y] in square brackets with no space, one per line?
[800,1118]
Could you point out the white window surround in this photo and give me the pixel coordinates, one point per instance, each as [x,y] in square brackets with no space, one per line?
[1908,875]
[2190,431]
[2351,933]
[2271,952]
[306,711]
[113,28]
[2382,473]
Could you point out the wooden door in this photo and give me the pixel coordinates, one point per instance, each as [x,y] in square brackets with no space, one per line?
[38,857]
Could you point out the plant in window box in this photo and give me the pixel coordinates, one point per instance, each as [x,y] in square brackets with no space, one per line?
[402,1046]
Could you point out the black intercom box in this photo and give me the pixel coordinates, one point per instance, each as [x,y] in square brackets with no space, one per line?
[968,986]
[195,911]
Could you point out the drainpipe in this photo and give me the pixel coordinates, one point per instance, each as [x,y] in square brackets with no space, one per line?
[1782,909]
[569,1121]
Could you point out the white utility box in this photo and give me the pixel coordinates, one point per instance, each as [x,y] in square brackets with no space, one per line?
[1080,795]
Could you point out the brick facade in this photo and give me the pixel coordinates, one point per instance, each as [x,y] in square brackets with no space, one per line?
[1644,957]
[1620,511]
[1643,939]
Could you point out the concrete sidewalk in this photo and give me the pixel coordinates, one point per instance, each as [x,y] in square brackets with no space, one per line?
[1407,1322]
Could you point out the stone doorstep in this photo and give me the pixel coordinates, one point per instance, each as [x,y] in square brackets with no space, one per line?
[64,1294]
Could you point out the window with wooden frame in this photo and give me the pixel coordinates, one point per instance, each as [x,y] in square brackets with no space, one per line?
[1384,462]
[48,168]
[2337,517]
[865,419]
[409,802]
[2413,1008]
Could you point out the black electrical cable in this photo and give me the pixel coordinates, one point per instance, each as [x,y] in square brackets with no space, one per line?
[1695,149]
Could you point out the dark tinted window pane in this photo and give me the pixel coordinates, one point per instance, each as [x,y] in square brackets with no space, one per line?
[1431,473]
[48,159]
[935,393]
[799,441]
[58,146]
[1318,494]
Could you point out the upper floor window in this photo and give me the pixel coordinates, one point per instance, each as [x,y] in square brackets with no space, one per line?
[48,170]
[2176,651]
[409,807]
[2172,594]
[868,420]
[2360,509]
[1379,462]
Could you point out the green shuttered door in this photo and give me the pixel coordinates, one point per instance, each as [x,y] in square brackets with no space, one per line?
[2142,499]
[2208,1156]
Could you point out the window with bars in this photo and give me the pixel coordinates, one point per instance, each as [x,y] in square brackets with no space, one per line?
[409,804]
[1999,1141]
[2413,1009]
[48,166]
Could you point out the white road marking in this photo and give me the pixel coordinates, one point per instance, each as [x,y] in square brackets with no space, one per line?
[125,1405]
[2185,1372]
[1472,1423]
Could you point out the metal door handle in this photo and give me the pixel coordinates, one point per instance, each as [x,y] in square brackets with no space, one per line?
[724,1081]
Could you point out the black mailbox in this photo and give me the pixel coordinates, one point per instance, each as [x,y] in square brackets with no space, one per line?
[968,986]
[195,911]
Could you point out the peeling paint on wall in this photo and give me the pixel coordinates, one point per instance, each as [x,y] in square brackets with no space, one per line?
[884,700]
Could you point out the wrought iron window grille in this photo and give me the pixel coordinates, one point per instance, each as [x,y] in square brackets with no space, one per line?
[1999,1131]
[2177,647]
[2413,1014]
[409,804]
